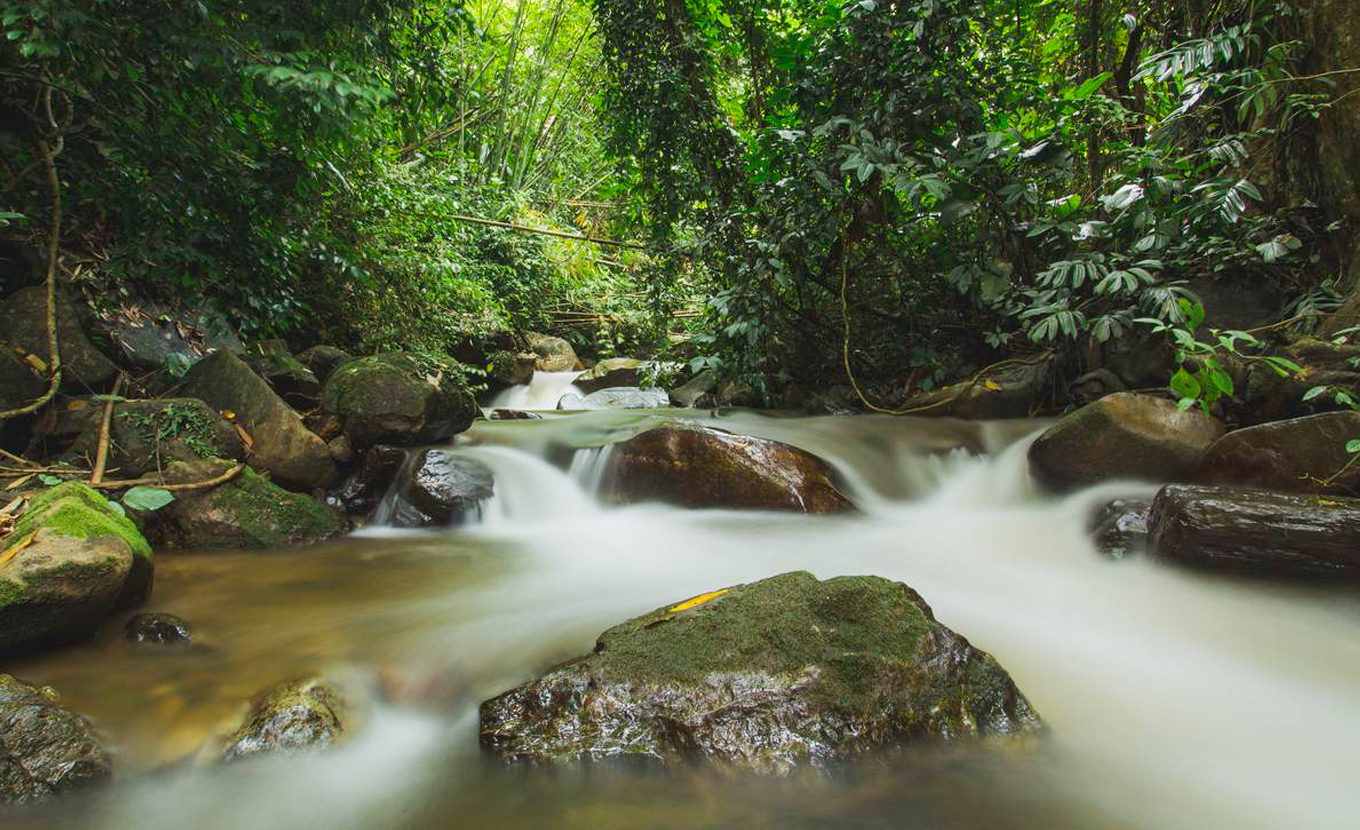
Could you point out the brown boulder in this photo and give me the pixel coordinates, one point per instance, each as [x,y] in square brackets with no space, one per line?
[1271,396]
[45,749]
[698,467]
[1122,436]
[1300,455]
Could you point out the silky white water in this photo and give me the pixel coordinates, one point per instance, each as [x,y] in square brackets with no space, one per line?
[1174,700]
[542,392]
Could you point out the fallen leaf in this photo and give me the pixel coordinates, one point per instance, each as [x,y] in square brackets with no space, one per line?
[697,601]
[245,437]
[17,549]
[13,507]
[76,406]
[20,481]
[228,414]
[37,363]
[992,385]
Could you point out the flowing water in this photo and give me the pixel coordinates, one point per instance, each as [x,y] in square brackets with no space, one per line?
[1174,700]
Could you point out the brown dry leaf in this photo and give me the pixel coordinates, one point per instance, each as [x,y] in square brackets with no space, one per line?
[21,481]
[36,362]
[13,508]
[76,406]
[228,414]
[245,437]
[17,549]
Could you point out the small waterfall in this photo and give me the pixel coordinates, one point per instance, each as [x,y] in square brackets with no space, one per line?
[588,466]
[528,489]
[386,510]
[541,392]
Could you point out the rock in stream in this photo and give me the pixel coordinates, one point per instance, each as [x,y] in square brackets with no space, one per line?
[45,749]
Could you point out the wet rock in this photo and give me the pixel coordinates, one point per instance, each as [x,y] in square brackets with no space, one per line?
[1300,455]
[1271,396]
[514,415]
[45,749]
[447,488]
[145,435]
[70,562]
[1094,385]
[19,385]
[699,467]
[322,360]
[611,373]
[1259,532]
[617,398]
[696,387]
[1122,436]
[23,323]
[153,338]
[282,445]
[294,716]
[286,375]
[157,629]
[399,398]
[1015,390]
[363,490]
[765,677]
[1120,527]
[554,353]
[246,512]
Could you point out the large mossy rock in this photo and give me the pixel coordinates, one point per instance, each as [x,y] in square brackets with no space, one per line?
[622,397]
[246,512]
[764,676]
[23,323]
[1300,455]
[1122,436]
[698,467]
[1257,532]
[145,436]
[611,373]
[45,749]
[283,446]
[400,399]
[70,561]
[554,353]
[294,716]
[445,489]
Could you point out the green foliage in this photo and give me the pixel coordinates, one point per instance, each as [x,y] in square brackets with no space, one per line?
[148,499]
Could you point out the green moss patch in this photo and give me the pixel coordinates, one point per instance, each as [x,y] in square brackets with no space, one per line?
[76,511]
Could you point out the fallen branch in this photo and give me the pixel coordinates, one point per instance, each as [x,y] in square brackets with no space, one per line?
[155,481]
[101,455]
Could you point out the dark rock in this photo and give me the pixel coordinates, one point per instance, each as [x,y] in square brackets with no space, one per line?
[617,398]
[340,450]
[611,373]
[19,385]
[554,353]
[447,488]
[699,467]
[1094,385]
[1271,396]
[322,360]
[399,398]
[363,490]
[283,446]
[696,387]
[1122,436]
[1258,532]
[1237,301]
[153,338]
[1015,390]
[23,323]
[514,415]
[246,512]
[157,629]
[294,716]
[1120,527]
[286,375]
[45,749]
[1301,455]
[764,676]
[145,435]
[82,561]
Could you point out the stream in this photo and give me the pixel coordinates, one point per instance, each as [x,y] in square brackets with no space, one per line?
[1173,700]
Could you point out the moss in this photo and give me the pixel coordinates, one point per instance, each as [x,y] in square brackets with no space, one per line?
[272,516]
[76,511]
[12,593]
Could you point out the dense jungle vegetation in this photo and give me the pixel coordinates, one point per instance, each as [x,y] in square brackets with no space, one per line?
[905,191]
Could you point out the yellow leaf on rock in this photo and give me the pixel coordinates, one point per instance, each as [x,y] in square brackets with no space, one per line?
[17,549]
[37,363]
[992,385]
[699,600]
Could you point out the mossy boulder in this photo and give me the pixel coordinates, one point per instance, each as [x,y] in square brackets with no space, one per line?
[70,561]
[282,444]
[764,676]
[507,368]
[1123,436]
[554,353]
[247,512]
[693,466]
[1300,455]
[611,373]
[23,323]
[285,374]
[293,716]
[45,749]
[401,399]
[322,360]
[145,436]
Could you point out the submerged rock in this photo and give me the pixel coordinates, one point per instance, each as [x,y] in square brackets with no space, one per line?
[622,397]
[282,444]
[693,466]
[1120,528]
[446,488]
[23,323]
[294,716]
[514,415]
[1122,436]
[146,435]
[611,373]
[1301,455]
[45,749]
[554,353]
[247,512]
[158,629]
[763,676]
[1251,531]
[70,561]
[399,398]
[323,360]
